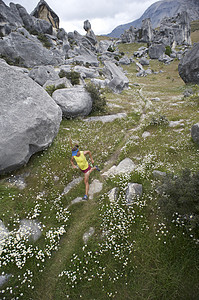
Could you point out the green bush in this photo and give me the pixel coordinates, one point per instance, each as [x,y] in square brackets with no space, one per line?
[111,49]
[168,50]
[160,121]
[179,198]
[99,101]
[73,77]
[62,74]
[42,38]
[51,88]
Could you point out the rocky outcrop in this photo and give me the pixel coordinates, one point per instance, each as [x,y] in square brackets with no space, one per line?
[74,102]
[159,10]
[90,34]
[26,50]
[29,121]
[44,12]
[172,31]
[189,66]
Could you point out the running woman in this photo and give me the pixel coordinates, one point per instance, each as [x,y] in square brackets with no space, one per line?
[83,165]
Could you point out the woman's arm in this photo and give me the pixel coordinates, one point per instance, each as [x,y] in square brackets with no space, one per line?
[74,166]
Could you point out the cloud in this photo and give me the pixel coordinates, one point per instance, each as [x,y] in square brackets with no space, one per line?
[104,15]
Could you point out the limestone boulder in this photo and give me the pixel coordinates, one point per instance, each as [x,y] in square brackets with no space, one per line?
[41,74]
[189,65]
[133,192]
[118,80]
[156,50]
[29,119]
[195,133]
[126,166]
[74,102]
[27,52]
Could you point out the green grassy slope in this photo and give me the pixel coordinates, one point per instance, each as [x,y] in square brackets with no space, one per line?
[134,253]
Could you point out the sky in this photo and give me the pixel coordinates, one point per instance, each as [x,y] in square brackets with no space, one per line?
[104,15]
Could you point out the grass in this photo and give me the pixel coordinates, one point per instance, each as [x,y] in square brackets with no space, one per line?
[134,253]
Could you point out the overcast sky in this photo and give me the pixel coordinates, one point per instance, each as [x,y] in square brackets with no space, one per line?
[104,15]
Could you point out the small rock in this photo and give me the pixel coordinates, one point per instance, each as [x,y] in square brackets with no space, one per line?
[113,194]
[95,187]
[146,134]
[133,191]
[88,234]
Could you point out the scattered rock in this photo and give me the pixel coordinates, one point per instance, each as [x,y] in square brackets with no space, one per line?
[118,81]
[125,166]
[73,183]
[30,228]
[158,174]
[95,187]
[108,118]
[133,191]
[4,278]
[4,232]
[176,123]
[146,134]
[18,181]
[195,133]
[113,194]
[87,235]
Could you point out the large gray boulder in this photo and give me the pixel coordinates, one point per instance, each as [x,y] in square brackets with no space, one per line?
[156,50]
[189,66]
[9,18]
[118,81]
[195,133]
[43,73]
[27,50]
[29,118]
[74,102]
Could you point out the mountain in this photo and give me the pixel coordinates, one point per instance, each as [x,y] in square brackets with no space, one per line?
[158,10]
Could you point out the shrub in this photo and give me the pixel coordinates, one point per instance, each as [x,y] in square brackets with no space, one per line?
[168,50]
[51,88]
[62,74]
[179,198]
[99,101]
[42,38]
[161,120]
[111,49]
[73,77]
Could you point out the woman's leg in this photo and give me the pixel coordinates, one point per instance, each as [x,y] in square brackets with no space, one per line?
[86,180]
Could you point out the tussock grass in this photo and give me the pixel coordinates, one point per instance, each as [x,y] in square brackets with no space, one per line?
[134,253]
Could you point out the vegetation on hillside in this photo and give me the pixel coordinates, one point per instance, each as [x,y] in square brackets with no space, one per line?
[147,250]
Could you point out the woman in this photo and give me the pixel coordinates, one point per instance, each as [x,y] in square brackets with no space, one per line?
[83,165]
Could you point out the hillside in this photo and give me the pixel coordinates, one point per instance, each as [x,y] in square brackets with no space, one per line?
[134,251]
[158,10]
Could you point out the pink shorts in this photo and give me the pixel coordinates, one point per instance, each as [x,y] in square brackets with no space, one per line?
[88,169]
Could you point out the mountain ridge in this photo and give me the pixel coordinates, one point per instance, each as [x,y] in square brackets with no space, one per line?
[159,10]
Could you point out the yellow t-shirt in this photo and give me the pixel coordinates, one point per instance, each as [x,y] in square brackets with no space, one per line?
[81,161]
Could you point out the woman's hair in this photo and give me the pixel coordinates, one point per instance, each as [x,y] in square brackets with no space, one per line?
[75,147]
